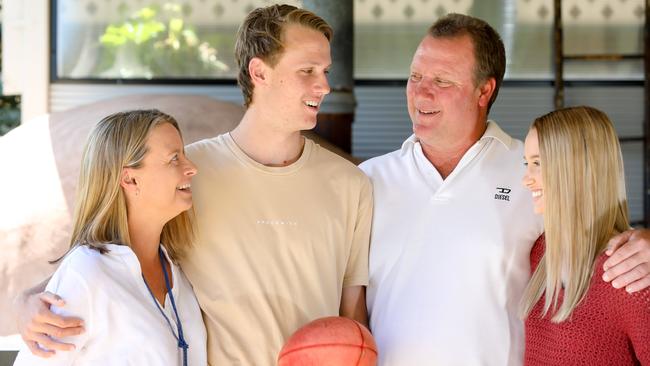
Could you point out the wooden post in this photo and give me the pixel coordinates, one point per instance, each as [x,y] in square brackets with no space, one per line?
[558,54]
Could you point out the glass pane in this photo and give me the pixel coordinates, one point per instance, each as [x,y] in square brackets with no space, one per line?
[194,38]
[603,27]
[108,39]
[388,31]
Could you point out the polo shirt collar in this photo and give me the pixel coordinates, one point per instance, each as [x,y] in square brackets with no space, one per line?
[493,131]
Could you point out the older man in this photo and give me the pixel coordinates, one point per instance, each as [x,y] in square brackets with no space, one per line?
[453,226]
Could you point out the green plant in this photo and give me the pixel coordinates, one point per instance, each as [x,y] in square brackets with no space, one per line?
[163,44]
[9,113]
[9,104]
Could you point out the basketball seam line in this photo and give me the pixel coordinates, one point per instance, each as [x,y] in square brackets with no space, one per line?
[363,343]
[363,346]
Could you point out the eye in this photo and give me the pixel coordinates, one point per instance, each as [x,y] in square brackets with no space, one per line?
[174,158]
[307,71]
[327,72]
[415,77]
[443,83]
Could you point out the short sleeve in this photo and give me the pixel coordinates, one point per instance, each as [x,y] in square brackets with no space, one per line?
[356,273]
[73,288]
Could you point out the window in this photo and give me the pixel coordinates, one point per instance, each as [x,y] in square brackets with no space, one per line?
[194,39]
[107,39]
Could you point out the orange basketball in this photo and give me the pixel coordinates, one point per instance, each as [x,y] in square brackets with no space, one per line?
[335,341]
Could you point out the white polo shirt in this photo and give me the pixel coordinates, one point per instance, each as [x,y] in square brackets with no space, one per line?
[449,259]
[123,325]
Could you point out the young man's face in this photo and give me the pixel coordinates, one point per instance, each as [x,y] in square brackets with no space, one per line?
[443,101]
[298,82]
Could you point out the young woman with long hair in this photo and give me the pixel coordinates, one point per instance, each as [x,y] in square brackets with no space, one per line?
[573,317]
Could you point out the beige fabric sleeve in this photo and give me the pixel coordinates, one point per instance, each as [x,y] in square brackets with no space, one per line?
[356,272]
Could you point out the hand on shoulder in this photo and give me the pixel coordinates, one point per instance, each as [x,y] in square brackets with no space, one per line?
[628,264]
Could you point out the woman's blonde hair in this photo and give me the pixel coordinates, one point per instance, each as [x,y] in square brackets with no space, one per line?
[100,215]
[584,204]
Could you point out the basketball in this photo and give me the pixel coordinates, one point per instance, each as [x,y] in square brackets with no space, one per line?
[334,341]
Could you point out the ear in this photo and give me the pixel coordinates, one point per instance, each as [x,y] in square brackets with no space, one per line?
[127,181]
[257,69]
[486,90]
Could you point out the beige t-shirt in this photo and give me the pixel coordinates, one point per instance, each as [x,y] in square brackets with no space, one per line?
[275,245]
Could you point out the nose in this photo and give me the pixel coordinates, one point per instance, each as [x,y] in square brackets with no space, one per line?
[322,86]
[425,86]
[190,168]
[527,180]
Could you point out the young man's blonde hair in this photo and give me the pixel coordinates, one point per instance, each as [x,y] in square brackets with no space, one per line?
[100,217]
[584,204]
[261,35]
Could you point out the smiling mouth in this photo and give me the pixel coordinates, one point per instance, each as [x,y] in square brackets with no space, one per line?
[426,113]
[313,105]
[185,188]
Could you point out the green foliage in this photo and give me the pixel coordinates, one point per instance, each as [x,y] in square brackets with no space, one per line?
[157,42]
[9,113]
[9,105]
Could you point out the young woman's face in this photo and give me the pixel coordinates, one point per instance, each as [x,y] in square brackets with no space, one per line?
[533,177]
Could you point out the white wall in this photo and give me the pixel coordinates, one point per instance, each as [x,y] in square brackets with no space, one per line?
[25,61]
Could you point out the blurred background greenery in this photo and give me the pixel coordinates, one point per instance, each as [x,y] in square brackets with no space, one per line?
[157,41]
[9,104]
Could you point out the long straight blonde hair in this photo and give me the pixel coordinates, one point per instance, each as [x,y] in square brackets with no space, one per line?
[100,215]
[584,204]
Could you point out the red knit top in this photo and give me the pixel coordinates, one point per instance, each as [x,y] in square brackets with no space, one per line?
[608,327]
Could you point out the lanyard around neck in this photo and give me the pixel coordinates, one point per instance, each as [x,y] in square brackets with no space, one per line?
[180,338]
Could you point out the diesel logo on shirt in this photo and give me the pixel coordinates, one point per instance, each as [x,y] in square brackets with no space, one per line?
[502,194]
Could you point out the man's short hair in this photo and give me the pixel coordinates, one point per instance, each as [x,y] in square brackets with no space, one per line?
[489,52]
[261,35]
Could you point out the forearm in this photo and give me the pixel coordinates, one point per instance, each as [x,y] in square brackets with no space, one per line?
[353,304]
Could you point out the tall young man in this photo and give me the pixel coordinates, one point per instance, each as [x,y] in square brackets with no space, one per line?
[283,223]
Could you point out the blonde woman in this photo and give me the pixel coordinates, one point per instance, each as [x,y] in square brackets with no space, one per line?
[131,224]
[575,174]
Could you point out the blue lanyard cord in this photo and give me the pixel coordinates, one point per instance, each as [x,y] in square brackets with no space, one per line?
[180,338]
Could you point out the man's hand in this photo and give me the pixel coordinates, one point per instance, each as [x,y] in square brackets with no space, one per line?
[37,324]
[629,262]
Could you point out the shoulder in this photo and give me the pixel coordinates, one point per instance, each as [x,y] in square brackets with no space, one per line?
[82,259]
[88,265]
[331,163]
[76,280]
[387,162]
[205,146]
[634,303]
